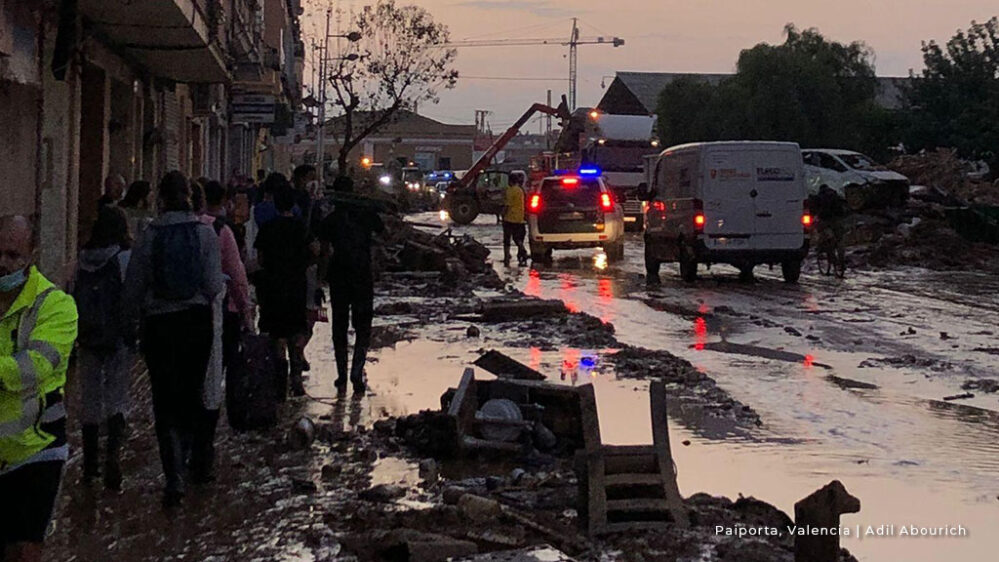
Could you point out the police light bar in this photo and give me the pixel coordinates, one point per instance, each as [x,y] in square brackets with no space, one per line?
[589,172]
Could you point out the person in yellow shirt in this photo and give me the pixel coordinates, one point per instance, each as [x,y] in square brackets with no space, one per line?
[514,220]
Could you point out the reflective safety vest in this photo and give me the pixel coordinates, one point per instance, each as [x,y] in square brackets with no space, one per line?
[36,338]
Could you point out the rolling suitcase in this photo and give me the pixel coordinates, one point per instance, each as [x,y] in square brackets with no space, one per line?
[251,394]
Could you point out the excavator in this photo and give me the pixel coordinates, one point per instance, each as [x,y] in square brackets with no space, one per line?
[480,192]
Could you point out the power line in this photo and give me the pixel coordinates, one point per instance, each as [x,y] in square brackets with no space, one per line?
[518,78]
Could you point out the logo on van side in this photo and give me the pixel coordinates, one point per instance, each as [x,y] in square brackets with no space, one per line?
[774,174]
[729,174]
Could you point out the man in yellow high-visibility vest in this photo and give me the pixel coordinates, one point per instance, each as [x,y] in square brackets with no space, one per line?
[37,331]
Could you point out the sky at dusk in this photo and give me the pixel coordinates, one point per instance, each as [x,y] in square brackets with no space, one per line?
[661,35]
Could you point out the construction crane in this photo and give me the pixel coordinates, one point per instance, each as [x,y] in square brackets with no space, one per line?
[573,43]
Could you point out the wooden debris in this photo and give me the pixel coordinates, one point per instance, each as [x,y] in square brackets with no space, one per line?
[504,367]
[822,510]
[629,487]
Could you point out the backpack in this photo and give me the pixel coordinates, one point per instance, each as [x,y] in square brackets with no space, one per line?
[98,302]
[178,271]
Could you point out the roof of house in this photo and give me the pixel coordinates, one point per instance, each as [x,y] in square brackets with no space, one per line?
[637,93]
[409,124]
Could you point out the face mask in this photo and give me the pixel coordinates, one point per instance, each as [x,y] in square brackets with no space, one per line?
[13,281]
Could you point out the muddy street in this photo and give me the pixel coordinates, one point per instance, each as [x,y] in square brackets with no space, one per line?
[848,377]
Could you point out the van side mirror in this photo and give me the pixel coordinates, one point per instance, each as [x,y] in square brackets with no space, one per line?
[644,193]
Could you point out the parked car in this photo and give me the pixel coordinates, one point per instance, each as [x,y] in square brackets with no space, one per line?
[574,211]
[861,181]
[740,203]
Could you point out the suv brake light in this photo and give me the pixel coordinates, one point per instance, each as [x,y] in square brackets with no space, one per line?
[534,205]
[699,221]
[606,203]
[659,206]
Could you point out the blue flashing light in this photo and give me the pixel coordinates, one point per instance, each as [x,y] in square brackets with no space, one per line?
[588,362]
[447,175]
[589,172]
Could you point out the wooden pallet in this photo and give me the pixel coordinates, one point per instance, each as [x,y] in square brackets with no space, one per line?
[631,487]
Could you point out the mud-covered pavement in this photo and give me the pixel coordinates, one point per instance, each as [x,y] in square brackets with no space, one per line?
[777,390]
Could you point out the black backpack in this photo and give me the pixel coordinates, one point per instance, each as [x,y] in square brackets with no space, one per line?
[98,303]
[178,271]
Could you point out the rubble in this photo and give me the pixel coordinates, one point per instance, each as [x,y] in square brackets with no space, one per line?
[988,386]
[944,171]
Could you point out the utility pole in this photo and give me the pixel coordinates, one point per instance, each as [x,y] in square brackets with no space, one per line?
[548,130]
[321,133]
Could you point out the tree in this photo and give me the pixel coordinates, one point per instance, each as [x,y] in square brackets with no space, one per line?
[954,102]
[401,61]
[807,89]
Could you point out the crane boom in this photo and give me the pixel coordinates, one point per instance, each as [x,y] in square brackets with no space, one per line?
[471,177]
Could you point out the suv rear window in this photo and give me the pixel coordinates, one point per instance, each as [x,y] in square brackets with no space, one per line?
[586,193]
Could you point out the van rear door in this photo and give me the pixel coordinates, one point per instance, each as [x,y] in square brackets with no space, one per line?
[727,197]
[779,202]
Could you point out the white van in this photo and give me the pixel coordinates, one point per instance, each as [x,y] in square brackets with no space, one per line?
[741,203]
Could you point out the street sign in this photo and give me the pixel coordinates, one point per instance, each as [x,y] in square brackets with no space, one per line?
[253,108]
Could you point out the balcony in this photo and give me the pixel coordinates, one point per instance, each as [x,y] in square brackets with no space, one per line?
[174,39]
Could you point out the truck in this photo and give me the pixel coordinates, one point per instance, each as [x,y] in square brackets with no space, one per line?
[617,145]
[482,191]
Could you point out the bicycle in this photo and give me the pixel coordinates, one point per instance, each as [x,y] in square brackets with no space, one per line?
[830,254]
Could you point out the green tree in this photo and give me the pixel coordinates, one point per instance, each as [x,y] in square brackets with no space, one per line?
[954,102]
[400,62]
[807,89]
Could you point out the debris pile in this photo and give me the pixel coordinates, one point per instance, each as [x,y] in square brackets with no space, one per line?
[407,248]
[943,171]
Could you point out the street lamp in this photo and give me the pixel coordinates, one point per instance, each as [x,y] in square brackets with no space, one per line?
[353,37]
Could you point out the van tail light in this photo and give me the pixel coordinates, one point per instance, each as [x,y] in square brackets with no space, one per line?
[699,218]
[807,220]
[534,205]
[606,203]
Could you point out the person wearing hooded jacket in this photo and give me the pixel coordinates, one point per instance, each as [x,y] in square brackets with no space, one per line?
[104,359]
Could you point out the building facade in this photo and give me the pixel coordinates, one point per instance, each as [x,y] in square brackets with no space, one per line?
[90,88]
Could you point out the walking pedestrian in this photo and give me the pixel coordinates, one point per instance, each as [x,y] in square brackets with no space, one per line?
[283,253]
[514,220]
[173,279]
[266,211]
[37,331]
[137,208]
[103,359]
[114,190]
[230,315]
[348,231]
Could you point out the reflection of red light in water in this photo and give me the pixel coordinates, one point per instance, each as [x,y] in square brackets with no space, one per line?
[533,287]
[535,362]
[570,359]
[568,288]
[809,361]
[700,333]
[605,292]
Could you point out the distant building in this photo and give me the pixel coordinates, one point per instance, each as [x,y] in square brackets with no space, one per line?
[637,93]
[410,137]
